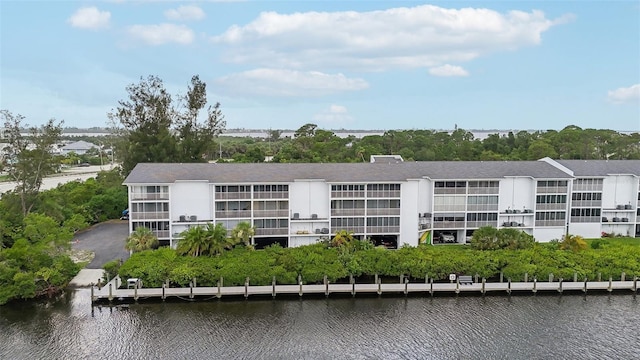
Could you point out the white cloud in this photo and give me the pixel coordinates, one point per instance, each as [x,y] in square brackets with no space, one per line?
[288,83]
[421,36]
[448,70]
[162,34]
[623,95]
[185,13]
[90,18]
[334,115]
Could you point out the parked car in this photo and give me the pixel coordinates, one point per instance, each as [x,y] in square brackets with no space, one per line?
[125,215]
[448,238]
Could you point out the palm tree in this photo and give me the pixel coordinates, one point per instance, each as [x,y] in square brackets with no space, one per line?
[141,239]
[243,233]
[341,238]
[194,242]
[217,238]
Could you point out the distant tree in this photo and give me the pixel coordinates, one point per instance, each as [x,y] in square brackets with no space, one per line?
[155,129]
[31,159]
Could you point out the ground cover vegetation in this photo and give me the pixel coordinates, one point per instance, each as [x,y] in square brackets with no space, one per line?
[491,253]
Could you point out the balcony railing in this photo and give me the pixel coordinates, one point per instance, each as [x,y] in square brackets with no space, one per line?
[482,207]
[347,194]
[272,231]
[484,190]
[552,190]
[233,214]
[383,211]
[550,222]
[383,193]
[160,215]
[450,190]
[586,219]
[162,234]
[232,195]
[382,229]
[448,224]
[586,203]
[558,206]
[474,224]
[150,196]
[270,213]
[586,187]
[353,229]
[271,195]
[347,212]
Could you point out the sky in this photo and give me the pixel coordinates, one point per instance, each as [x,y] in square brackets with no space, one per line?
[375,65]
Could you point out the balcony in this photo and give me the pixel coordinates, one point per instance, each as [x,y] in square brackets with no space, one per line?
[233,214]
[484,190]
[449,224]
[461,190]
[155,215]
[482,207]
[586,203]
[383,193]
[161,234]
[150,196]
[347,194]
[543,223]
[353,229]
[382,229]
[383,211]
[270,213]
[271,195]
[232,195]
[552,190]
[558,206]
[347,212]
[477,224]
[272,231]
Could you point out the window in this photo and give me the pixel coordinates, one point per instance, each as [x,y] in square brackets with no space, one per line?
[347,222]
[270,223]
[482,217]
[551,199]
[383,204]
[550,215]
[585,212]
[383,221]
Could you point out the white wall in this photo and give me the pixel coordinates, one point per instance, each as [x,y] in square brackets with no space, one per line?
[191,198]
[586,230]
[619,190]
[517,193]
[548,234]
[410,196]
[309,197]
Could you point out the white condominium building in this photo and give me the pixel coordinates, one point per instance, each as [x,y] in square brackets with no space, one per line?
[387,200]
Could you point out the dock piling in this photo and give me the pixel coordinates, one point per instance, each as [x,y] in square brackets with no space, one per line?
[273,286]
[110,293]
[509,286]
[610,288]
[92,298]
[163,292]
[560,285]
[135,293]
[635,284]
[431,287]
[300,283]
[457,286]
[246,287]
[535,283]
[219,294]
[623,276]
[584,288]
[484,282]
[379,287]
[326,286]
[406,286]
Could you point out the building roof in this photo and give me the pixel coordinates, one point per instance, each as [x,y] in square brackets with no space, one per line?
[79,145]
[602,167]
[162,173]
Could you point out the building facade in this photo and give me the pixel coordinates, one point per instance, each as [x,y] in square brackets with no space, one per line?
[390,202]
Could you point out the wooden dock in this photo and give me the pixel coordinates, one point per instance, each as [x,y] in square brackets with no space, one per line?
[112,293]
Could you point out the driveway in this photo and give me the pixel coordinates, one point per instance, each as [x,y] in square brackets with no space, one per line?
[106,240]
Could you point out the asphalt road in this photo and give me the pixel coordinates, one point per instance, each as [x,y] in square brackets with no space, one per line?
[71,174]
[106,240]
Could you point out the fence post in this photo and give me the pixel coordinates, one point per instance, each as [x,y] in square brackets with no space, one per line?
[560,285]
[273,287]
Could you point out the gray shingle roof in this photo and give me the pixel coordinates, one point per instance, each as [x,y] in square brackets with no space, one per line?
[602,167]
[160,173]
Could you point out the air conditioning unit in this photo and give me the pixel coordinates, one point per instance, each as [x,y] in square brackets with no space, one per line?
[296,216]
[314,216]
[325,230]
[183,218]
[193,218]
[619,207]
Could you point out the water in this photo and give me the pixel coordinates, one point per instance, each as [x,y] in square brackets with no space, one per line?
[519,327]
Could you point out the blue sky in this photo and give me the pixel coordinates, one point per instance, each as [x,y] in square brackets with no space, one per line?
[338,64]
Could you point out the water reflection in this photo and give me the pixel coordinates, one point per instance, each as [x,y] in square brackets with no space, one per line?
[518,327]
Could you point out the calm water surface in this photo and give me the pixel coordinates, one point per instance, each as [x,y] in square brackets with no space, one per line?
[519,327]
